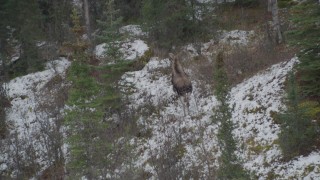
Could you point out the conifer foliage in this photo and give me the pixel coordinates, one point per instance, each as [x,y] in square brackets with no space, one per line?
[229,165]
[173,22]
[298,131]
[93,97]
[20,22]
[306,35]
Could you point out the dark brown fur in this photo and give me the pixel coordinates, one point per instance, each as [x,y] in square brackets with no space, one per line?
[180,80]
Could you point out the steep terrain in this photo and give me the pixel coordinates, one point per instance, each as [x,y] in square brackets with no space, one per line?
[169,144]
[186,146]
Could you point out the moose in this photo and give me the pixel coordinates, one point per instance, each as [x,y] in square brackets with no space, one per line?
[180,81]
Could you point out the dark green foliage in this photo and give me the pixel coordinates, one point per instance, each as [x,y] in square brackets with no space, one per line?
[3,104]
[26,23]
[222,86]
[306,35]
[309,69]
[298,133]
[130,9]
[229,166]
[286,3]
[93,97]
[85,120]
[24,19]
[110,24]
[173,22]
[55,19]
[91,139]
[247,3]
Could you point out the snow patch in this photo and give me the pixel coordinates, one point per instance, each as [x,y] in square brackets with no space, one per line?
[236,37]
[253,101]
[100,50]
[133,49]
[132,30]
[23,119]
[130,49]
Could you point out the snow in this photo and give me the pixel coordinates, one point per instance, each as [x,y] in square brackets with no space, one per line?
[152,88]
[28,86]
[23,118]
[162,114]
[146,82]
[131,49]
[253,100]
[133,30]
[236,37]
[100,50]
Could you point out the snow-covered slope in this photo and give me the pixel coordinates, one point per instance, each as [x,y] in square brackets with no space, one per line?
[254,102]
[28,118]
[35,138]
[169,143]
[195,136]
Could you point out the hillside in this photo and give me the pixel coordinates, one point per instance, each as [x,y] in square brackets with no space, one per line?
[109,111]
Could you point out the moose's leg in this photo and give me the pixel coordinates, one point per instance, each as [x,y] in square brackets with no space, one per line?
[187,101]
[184,109]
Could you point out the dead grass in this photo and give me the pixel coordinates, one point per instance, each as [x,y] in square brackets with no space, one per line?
[233,17]
[245,62]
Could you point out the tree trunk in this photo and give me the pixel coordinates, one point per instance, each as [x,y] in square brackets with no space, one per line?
[273,7]
[87,22]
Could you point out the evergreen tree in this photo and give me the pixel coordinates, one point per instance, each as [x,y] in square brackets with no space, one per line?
[110,24]
[173,22]
[24,19]
[306,35]
[247,3]
[229,165]
[130,9]
[55,19]
[84,119]
[298,133]
[91,139]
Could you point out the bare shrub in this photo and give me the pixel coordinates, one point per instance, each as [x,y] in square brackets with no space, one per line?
[168,165]
[23,157]
[244,62]
[4,102]
[158,51]
[52,100]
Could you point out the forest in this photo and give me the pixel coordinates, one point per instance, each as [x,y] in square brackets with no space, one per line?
[160,89]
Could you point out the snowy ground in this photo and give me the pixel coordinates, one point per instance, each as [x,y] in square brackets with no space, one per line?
[25,120]
[171,141]
[131,48]
[32,118]
[253,101]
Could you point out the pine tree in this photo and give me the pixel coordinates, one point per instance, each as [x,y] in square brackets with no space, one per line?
[55,19]
[229,165]
[91,139]
[110,24]
[298,133]
[24,19]
[130,9]
[174,22]
[306,36]
[84,119]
